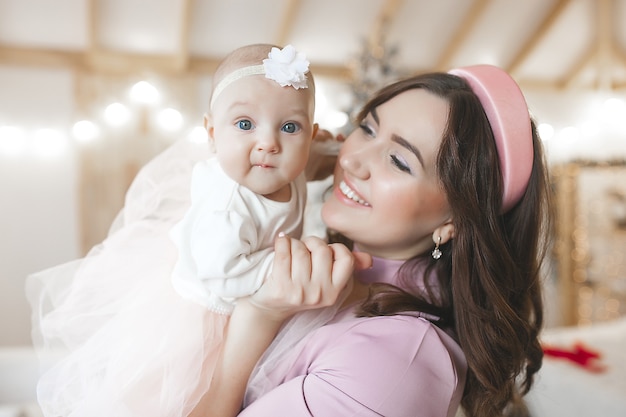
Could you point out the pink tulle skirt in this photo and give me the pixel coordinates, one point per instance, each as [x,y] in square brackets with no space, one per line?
[125,343]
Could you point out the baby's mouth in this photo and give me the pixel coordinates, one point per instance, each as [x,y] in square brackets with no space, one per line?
[263,165]
[349,192]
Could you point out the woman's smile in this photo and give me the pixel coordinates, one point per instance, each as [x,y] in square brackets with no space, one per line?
[351,194]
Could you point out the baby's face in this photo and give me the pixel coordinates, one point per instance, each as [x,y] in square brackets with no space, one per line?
[262,133]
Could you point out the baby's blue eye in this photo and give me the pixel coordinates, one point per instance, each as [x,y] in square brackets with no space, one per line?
[244,124]
[290,127]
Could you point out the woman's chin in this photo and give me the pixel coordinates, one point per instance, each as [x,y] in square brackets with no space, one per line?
[331,216]
[336,217]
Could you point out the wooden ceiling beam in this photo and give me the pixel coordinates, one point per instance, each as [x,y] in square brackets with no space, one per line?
[604,30]
[341,73]
[40,57]
[119,63]
[386,15]
[93,17]
[116,62]
[536,84]
[102,61]
[620,54]
[287,22]
[619,85]
[92,25]
[182,54]
[201,65]
[545,26]
[573,73]
[464,29]
[550,86]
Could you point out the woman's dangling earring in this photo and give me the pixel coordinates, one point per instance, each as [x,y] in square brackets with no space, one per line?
[436,253]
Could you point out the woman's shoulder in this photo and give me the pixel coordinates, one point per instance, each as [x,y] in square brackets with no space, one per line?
[387,362]
[400,344]
[411,336]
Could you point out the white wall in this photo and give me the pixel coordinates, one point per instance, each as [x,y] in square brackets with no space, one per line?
[38,209]
[588,125]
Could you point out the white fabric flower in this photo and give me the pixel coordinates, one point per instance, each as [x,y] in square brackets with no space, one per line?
[287,67]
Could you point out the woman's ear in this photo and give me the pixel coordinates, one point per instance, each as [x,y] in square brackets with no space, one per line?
[208,125]
[445,232]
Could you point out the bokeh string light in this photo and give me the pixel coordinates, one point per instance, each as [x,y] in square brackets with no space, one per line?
[143,105]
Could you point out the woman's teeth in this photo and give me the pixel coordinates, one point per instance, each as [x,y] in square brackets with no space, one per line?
[347,191]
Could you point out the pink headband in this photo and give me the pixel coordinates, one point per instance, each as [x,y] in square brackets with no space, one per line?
[508,115]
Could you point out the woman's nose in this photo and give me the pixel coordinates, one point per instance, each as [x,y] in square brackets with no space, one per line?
[355,164]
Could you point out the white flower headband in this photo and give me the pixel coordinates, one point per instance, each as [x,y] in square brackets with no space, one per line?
[286,66]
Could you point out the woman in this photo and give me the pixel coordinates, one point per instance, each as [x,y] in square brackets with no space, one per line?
[443,187]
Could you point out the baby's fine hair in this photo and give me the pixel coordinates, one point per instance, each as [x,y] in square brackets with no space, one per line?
[248,55]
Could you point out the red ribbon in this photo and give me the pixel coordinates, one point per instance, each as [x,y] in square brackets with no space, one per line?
[579,355]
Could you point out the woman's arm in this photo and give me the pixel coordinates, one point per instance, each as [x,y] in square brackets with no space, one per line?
[249,333]
[306,274]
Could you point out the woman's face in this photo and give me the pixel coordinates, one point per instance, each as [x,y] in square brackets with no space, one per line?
[386,196]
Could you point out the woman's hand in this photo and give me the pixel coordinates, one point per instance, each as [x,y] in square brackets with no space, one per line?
[307,274]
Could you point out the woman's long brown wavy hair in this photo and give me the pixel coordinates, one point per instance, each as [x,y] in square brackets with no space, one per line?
[488,281]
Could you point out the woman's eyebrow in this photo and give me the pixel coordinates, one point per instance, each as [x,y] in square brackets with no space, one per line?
[375,115]
[408,145]
[401,141]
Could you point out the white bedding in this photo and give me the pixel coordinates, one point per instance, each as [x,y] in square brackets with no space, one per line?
[564,388]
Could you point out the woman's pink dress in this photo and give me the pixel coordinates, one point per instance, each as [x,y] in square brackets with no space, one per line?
[392,366]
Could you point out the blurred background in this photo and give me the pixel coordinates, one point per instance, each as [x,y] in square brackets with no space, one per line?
[90,90]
